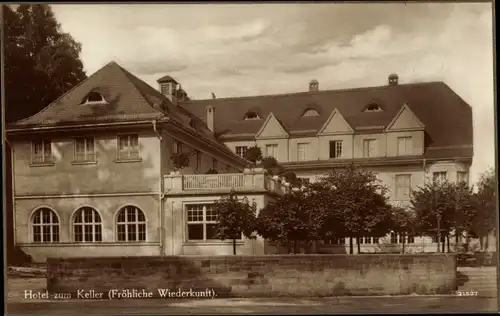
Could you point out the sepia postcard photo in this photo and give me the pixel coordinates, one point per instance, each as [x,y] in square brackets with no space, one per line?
[249,158]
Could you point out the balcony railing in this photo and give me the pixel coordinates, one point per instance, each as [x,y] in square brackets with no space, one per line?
[250,180]
[213,181]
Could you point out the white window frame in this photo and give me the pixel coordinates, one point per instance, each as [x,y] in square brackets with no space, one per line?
[176,147]
[241,151]
[140,225]
[464,175]
[44,158]
[407,141]
[53,226]
[403,187]
[95,225]
[274,149]
[369,147]
[302,148]
[129,152]
[88,155]
[440,176]
[336,241]
[198,216]
[338,149]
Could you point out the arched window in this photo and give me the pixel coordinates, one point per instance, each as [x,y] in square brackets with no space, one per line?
[87,225]
[310,112]
[131,224]
[45,226]
[252,116]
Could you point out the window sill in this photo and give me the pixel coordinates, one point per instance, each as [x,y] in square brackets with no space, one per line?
[127,160]
[84,162]
[213,242]
[42,164]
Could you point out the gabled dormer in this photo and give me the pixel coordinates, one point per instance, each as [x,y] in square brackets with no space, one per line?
[336,124]
[405,120]
[272,129]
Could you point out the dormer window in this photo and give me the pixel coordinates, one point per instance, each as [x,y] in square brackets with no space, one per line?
[93,98]
[252,116]
[373,108]
[310,112]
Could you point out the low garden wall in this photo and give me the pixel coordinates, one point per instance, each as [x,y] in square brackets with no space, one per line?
[258,276]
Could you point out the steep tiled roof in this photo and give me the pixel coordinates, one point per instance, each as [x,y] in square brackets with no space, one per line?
[128,99]
[447,118]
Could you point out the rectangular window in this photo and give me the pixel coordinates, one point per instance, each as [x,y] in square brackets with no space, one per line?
[84,149]
[302,149]
[462,177]
[403,187]
[369,147]
[241,151]
[41,152]
[335,149]
[176,147]
[394,238]
[272,151]
[214,164]
[335,241]
[128,147]
[404,146]
[201,222]
[439,176]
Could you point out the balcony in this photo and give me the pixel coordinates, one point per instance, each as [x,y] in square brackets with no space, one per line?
[249,181]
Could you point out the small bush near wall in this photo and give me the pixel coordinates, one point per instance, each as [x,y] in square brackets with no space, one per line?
[259,276]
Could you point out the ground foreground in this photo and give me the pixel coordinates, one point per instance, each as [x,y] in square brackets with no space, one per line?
[283,306]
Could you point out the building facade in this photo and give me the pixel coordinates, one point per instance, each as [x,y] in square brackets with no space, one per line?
[92,174]
[407,134]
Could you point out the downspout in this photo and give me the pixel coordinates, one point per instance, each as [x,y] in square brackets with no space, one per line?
[160,196]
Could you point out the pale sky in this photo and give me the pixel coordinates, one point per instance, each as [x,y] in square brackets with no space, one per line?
[252,49]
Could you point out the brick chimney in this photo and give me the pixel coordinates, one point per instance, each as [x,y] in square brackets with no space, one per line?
[313,85]
[393,79]
[168,87]
[211,118]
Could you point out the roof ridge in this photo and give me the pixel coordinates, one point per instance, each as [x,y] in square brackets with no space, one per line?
[131,77]
[313,92]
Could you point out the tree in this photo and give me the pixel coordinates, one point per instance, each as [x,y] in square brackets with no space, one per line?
[234,218]
[403,222]
[289,219]
[350,202]
[442,207]
[271,165]
[180,160]
[484,221]
[253,154]
[41,62]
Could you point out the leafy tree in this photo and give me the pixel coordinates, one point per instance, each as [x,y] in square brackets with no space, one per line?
[442,207]
[403,222]
[234,218]
[484,221]
[253,154]
[271,165]
[41,62]
[180,160]
[350,202]
[289,219]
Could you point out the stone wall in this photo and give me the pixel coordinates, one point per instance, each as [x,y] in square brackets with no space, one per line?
[260,276]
